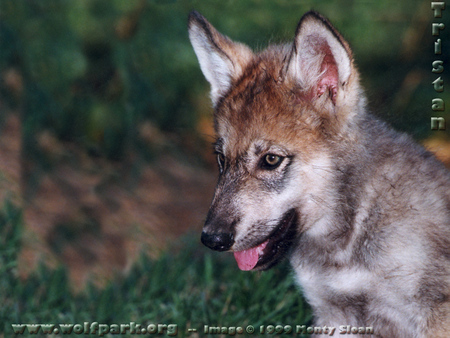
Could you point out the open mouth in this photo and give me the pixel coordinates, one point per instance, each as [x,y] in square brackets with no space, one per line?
[269,252]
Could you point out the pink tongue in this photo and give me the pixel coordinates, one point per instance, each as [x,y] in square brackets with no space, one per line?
[247,259]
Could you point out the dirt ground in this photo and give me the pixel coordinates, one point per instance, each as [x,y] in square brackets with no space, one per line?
[92,215]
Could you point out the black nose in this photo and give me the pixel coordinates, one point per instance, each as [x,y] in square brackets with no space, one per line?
[218,241]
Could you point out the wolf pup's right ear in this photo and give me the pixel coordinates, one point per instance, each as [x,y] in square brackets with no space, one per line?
[222,61]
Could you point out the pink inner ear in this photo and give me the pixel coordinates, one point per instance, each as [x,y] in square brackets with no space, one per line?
[329,80]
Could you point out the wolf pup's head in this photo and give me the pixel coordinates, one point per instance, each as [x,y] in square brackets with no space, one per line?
[277,115]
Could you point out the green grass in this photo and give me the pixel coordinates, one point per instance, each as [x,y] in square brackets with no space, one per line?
[188,285]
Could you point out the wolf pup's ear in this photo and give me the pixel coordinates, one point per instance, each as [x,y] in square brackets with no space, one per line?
[222,61]
[321,60]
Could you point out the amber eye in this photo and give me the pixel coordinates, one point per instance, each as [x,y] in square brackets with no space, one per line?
[221,161]
[271,161]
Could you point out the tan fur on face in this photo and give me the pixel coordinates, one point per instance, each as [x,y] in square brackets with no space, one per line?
[266,109]
[263,103]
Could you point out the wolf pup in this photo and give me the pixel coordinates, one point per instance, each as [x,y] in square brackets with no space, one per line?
[362,212]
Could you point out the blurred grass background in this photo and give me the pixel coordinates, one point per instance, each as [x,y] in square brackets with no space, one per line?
[105,156]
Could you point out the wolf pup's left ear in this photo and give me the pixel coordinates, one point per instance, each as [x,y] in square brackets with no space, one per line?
[321,60]
[222,61]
